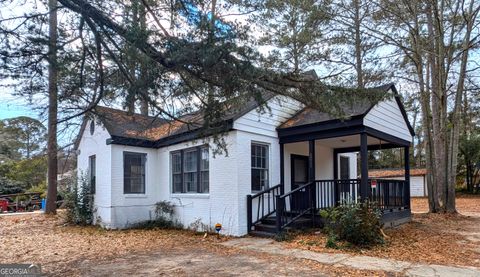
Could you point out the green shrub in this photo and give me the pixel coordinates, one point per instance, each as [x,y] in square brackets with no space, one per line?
[356,223]
[164,218]
[78,201]
[8,186]
[40,188]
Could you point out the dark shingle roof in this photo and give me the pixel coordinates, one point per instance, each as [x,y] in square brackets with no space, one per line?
[141,130]
[122,124]
[309,115]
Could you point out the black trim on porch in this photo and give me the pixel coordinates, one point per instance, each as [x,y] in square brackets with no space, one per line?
[391,196]
[276,210]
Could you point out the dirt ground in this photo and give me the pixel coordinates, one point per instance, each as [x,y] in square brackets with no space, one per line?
[466,204]
[72,250]
[429,238]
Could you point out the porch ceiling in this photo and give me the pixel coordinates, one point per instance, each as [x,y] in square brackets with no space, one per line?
[350,141]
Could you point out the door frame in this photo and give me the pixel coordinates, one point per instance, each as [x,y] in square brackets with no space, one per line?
[292,168]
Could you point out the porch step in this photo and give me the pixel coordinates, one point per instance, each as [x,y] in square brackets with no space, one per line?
[268,226]
[271,220]
[271,228]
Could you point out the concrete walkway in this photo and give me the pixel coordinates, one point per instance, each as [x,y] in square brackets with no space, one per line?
[357,262]
[22,213]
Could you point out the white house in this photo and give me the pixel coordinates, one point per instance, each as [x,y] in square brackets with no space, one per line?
[290,155]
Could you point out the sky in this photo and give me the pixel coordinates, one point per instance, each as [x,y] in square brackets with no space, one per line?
[13,106]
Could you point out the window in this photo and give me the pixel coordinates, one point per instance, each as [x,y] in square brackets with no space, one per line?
[344,168]
[190,170]
[134,172]
[259,166]
[92,127]
[92,172]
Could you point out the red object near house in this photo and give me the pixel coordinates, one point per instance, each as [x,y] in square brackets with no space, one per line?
[3,205]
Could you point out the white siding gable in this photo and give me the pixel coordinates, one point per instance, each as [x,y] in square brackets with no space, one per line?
[280,109]
[387,117]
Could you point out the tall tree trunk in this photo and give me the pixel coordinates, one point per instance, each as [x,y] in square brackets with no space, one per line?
[143,65]
[439,164]
[51,205]
[455,129]
[132,56]
[358,45]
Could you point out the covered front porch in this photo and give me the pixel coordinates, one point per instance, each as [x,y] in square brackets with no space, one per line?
[318,170]
[322,173]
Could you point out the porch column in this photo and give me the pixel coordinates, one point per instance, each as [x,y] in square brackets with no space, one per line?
[282,167]
[336,185]
[311,178]
[406,154]
[335,164]
[364,189]
[311,160]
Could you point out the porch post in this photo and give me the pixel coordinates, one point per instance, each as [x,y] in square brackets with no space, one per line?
[406,154]
[364,189]
[311,178]
[311,160]
[336,185]
[335,164]
[282,164]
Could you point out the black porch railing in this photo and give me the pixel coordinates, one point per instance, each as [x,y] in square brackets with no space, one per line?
[389,195]
[332,192]
[294,205]
[265,204]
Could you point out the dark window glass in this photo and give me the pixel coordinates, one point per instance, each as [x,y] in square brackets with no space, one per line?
[344,168]
[134,172]
[204,175]
[259,157]
[190,170]
[92,173]
[177,172]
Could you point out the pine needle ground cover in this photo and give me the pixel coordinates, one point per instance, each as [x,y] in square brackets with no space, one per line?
[88,250]
[429,238]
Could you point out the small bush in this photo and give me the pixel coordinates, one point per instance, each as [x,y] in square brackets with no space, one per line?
[40,188]
[331,242]
[164,218]
[8,186]
[358,224]
[78,201]
[198,226]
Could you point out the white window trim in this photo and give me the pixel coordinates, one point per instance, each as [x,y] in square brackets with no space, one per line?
[269,160]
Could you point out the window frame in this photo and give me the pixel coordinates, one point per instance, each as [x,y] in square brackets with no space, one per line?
[92,173]
[144,159]
[267,165]
[199,188]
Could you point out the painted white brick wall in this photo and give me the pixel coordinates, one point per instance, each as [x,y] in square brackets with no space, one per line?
[220,205]
[244,177]
[96,145]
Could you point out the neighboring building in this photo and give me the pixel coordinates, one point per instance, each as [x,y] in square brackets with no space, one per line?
[418,181]
[291,155]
